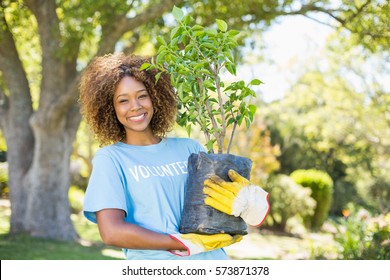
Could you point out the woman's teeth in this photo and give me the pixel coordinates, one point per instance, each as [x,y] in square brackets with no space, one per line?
[137,118]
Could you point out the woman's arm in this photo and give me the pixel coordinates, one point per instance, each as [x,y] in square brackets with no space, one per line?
[116,232]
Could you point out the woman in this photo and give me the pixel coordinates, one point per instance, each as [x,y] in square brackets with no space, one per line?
[136,189]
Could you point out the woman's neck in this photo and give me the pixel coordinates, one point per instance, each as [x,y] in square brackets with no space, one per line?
[141,140]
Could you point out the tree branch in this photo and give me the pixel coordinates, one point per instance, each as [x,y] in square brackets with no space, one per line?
[319,21]
[48,24]
[216,132]
[312,8]
[231,137]
[358,11]
[222,133]
[59,75]
[14,75]
[53,83]
[305,9]
[113,32]
[66,100]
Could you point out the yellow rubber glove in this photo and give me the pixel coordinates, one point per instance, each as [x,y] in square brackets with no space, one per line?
[240,198]
[198,243]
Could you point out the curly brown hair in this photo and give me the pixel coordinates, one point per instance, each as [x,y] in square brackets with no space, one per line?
[97,88]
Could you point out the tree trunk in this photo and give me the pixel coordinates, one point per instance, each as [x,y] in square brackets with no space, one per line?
[19,156]
[48,210]
[15,111]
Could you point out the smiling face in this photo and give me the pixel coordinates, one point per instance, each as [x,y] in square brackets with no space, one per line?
[134,110]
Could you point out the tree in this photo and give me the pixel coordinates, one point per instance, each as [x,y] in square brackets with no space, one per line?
[40,137]
[44,45]
[363,22]
[336,119]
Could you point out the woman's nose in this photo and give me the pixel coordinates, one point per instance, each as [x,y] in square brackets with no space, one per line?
[135,105]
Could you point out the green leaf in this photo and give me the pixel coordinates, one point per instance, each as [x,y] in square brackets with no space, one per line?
[230,121]
[198,65]
[177,13]
[161,57]
[228,55]
[194,115]
[188,129]
[231,68]
[184,39]
[197,27]
[209,85]
[209,46]
[161,40]
[222,25]
[255,82]
[199,33]
[158,76]
[211,32]
[162,48]
[180,91]
[247,122]
[144,66]
[175,33]
[186,98]
[210,145]
[187,19]
[240,119]
[233,32]
[175,42]
[252,92]
[252,109]
[206,72]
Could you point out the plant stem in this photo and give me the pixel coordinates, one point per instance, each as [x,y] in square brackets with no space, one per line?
[231,137]
[220,101]
[200,110]
[216,134]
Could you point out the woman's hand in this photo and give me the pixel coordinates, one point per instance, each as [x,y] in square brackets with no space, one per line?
[198,243]
[240,198]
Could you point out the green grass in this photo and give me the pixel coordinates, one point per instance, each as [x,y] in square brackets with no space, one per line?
[22,247]
[27,248]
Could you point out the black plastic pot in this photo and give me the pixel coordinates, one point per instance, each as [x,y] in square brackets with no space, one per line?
[198,217]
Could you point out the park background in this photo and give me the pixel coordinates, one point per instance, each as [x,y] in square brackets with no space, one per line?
[323,110]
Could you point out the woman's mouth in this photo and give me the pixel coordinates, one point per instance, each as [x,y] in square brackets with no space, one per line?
[137,118]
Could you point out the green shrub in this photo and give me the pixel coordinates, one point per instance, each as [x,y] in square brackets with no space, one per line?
[362,237]
[378,192]
[4,180]
[321,185]
[76,198]
[288,200]
[377,245]
[344,192]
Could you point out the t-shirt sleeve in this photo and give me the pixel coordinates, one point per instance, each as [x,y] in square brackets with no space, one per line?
[198,147]
[105,188]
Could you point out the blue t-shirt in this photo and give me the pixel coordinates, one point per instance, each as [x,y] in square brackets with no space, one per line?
[148,183]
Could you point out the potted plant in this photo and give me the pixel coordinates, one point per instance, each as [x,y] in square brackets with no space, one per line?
[196,57]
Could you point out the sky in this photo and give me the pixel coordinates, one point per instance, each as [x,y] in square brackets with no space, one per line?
[289,45]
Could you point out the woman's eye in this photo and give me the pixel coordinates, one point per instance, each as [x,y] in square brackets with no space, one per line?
[123,101]
[143,96]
